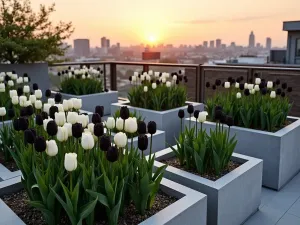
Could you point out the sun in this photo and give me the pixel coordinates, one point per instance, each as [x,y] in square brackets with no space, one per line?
[152,39]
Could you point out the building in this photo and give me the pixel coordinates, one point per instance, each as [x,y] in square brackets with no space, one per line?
[223,46]
[212,44]
[268,43]
[218,43]
[258,45]
[293,41]
[103,42]
[107,43]
[118,45]
[82,47]
[251,40]
[205,44]
[232,44]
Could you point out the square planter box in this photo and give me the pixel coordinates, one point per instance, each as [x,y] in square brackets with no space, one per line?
[232,198]
[280,151]
[165,120]
[189,209]
[6,123]
[90,101]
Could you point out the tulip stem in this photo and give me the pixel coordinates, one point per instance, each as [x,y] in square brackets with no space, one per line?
[197,127]
[71,182]
[190,121]
[150,145]
[42,161]
[3,122]
[131,142]
[181,125]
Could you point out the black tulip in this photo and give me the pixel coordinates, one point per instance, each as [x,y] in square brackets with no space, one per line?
[44,115]
[256,75]
[207,84]
[62,72]
[262,85]
[290,89]
[130,78]
[23,112]
[53,109]
[106,90]
[48,93]
[124,113]
[29,110]
[98,129]
[40,144]
[219,115]
[214,87]
[190,109]
[246,92]
[16,125]
[238,80]
[284,86]
[218,82]
[278,91]
[52,128]
[229,79]
[11,113]
[179,78]
[39,120]
[29,136]
[20,91]
[7,78]
[143,142]
[112,154]
[263,91]
[181,113]
[105,143]
[58,98]
[232,81]
[177,82]
[229,121]
[157,82]
[142,127]
[100,110]
[282,94]
[250,80]
[35,86]
[242,78]
[77,130]
[242,87]
[196,114]
[59,74]
[23,123]
[96,118]
[152,127]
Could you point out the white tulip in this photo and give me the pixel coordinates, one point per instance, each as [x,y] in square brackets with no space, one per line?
[2,90]
[66,105]
[83,119]
[45,123]
[202,116]
[10,83]
[110,123]
[246,86]
[273,94]
[270,85]
[9,74]
[227,85]
[13,93]
[38,94]
[70,161]
[148,78]
[168,84]
[156,74]
[131,125]
[1,79]
[25,79]
[22,101]
[143,77]
[250,86]
[87,141]
[135,74]
[2,111]
[52,148]
[14,77]
[77,103]
[38,104]
[252,91]
[154,85]
[60,118]
[91,127]
[145,89]
[46,107]
[51,101]
[238,95]
[145,73]
[68,126]
[120,124]
[134,78]
[120,139]
[72,117]
[15,100]
[62,134]
[26,89]
[256,87]
[32,98]
[60,107]
[20,80]
[150,72]
[164,80]
[70,104]
[174,77]
[2,86]
[237,85]
[257,81]
[27,103]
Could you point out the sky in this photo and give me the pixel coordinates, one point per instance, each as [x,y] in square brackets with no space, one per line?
[176,22]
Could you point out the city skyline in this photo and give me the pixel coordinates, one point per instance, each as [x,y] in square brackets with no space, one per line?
[134,22]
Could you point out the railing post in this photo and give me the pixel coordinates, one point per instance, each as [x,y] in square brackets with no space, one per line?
[200,84]
[104,75]
[113,76]
[145,68]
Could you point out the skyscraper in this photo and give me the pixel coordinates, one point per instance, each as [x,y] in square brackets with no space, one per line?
[268,43]
[103,42]
[107,43]
[251,40]
[205,44]
[218,43]
[82,47]
[212,44]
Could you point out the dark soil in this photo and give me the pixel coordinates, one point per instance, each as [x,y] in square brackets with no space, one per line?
[210,176]
[10,165]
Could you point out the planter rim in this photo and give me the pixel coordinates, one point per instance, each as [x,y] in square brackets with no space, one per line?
[278,133]
[123,103]
[248,162]
[158,132]
[78,96]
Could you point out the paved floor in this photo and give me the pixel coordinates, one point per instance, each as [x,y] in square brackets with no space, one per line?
[280,208]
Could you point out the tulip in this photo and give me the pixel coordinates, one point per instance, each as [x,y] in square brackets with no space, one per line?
[257,81]
[53,109]
[131,125]
[40,144]
[58,97]
[142,128]
[246,92]
[11,113]
[38,94]
[83,119]
[270,84]
[38,104]
[134,79]
[145,89]
[62,134]
[256,87]
[110,123]
[237,85]
[51,149]
[202,116]
[32,99]
[22,100]
[10,83]
[96,118]
[174,77]
[181,113]
[65,105]
[289,89]
[252,92]
[168,84]
[29,136]
[120,139]
[60,107]
[196,114]
[98,130]
[46,108]
[48,93]
[25,79]
[51,101]
[250,86]
[154,85]
[143,142]
[105,143]
[119,124]
[23,111]
[238,95]
[13,93]
[2,111]
[77,130]
[27,103]
[39,120]
[20,80]
[151,127]
[190,109]
[68,126]
[112,154]
[100,110]
[26,89]
[60,118]
[273,94]
[23,123]
[229,121]
[124,113]
[70,161]
[87,141]
[77,103]
[91,127]
[51,128]
[16,124]
[72,117]
[2,86]
[35,86]
[29,110]
[227,85]
[45,123]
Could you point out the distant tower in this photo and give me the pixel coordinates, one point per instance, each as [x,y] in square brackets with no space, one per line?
[107,43]
[205,44]
[251,40]
[82,47]
[268,43]
[218,43]
[212,44]
[103,42]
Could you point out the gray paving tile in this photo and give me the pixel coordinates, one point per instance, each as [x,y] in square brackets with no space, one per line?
[267,195]
[289,219]
[295,209]
[284,199]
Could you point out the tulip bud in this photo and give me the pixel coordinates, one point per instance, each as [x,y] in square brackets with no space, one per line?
[65,105]
[77,130]
[72,117]
[68,126]
[96,118]
[154,85]
[105,143]
[227,85]
[229,121]
[151,127]
[256,87]
[60,118]
[46,108]
[44,115]
[273,94]
[112,154]
[87,141]
[16,124]
[2,111]
[20,91]
[270,84]
[120,124]
[22,100]
[38,94]
[77,103]
[83,119]
[124,113]
[98,129]
[23,112]
[290,89]
[131,125]
[48,93]
[23,123]
[32,99]
[202,116]
[52,111]
[29,110]
[57,97]
[181,113]
[26,89]
[13,93]
[35,86]
[52,128]
[52,148]
[218,114]
[62,134]
[39,120]
[190,109]
[11,113]
[110,123]
[145,89]
[238,95]
[70,104]
[40,144]
[15,100]
[100,110]
[120,139]
[196,114]
[257,81]
[70,161]
[51,101]
[143,142]
[246,92]
[142,128]
[91,127]
[29,136]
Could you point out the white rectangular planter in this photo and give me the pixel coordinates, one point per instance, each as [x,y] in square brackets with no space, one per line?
[89,102]
[189,209]
[280,151]
[232,198]
[165,120]
[6,123]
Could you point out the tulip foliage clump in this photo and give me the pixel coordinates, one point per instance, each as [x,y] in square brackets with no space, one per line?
[76,166]
[158,91]
[263,105]
[81,81]
[202,152]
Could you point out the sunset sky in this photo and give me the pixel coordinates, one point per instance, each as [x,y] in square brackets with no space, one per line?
[176,21]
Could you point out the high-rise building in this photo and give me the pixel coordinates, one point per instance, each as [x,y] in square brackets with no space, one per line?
[212,44]
[258,45]
[232,44]
[82,47]
[205,44]
[218,43]
[107,43]
[268,43]
[103,42]
[118,45]
[251,40]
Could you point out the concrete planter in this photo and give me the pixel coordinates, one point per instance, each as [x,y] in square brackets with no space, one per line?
[6,123]
[232,198]
[280,151]
[189,209]
[165,120]
[89,102]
